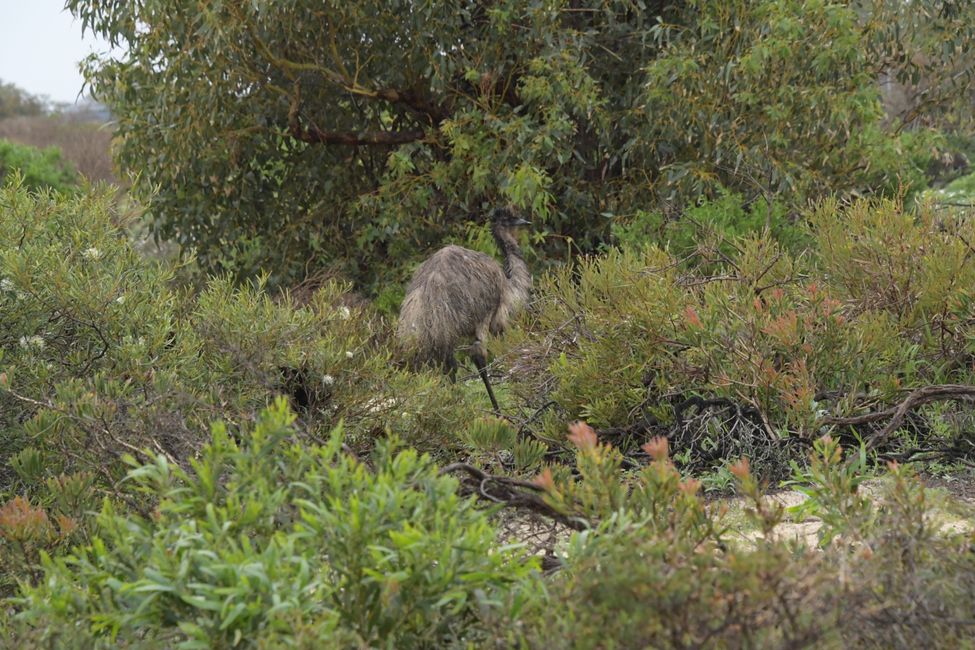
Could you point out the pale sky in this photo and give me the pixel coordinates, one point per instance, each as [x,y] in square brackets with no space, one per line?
[40,46]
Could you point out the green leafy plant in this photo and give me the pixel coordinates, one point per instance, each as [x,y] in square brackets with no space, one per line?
[277,543]
[378,137]
[741,345]
[35,168]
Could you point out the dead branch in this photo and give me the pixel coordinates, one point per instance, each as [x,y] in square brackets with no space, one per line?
[511,493]
[896,414]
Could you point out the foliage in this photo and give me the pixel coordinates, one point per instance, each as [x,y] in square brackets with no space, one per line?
[923,49]
[15,101]
[769,97]
[663,570]
[38,168]
[715,223]
[288,137]
[915,268]
[85,145]
[279,543]
[959,193]
[750,343]
[26,532]
[100,355]
[316,528]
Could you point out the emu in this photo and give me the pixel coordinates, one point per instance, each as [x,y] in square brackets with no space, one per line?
[459,294]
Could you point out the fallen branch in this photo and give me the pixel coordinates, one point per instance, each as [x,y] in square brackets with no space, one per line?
[511,493]
[896,414]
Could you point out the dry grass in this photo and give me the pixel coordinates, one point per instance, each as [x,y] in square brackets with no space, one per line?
[87,145]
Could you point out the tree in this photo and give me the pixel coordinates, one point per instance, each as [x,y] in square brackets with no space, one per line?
[15,101]
[285,135]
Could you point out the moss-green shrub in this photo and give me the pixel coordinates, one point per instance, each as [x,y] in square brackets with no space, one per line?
[713,224]
[101,356]
[664,569]
[36,168]
[916,268]
[275,543]
[85,349]
[636,340]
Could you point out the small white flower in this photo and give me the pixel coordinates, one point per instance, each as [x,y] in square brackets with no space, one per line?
[328,380]
[404,415]
[376,405]
[6,285]
[345,313]
[32,342]
[91,253]
[349,354]
[120,300]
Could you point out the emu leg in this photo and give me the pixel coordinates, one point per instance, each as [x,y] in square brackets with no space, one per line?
[477,355]
[450,367]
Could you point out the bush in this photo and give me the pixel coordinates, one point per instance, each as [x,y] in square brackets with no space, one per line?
[662,569]
[100,356]
[711,225]
[316,528]
[279,543]
[914,267]
[85,145]
[38,168]
[746,346]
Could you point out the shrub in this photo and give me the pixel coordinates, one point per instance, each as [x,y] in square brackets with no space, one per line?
[748,346]
[278,543]
[85,325]
[915,267]
[101,356]
[85,145]
[662,569]
[38,168]
[711,224]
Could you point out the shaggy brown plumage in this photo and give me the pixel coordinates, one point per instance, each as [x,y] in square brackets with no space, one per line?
[459,295]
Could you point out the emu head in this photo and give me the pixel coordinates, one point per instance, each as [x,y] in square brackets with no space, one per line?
[504,221]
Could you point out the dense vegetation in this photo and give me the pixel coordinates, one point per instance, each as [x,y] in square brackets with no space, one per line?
[39,168]
[52,144]
[281,136]
[753,269]
[15,102]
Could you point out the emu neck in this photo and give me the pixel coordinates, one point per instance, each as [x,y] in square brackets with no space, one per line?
[515,268]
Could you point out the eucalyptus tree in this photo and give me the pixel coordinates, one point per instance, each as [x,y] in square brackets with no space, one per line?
[300,134]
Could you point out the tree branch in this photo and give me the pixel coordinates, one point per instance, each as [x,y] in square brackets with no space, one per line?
[512,493]
[896,414]
[314,135]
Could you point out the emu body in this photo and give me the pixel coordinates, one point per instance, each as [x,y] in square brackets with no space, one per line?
[460,295]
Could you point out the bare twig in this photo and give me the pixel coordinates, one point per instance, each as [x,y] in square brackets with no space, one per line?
[512,493]
[896,414]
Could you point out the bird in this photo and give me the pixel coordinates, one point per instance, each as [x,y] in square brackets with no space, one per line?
[460,295]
